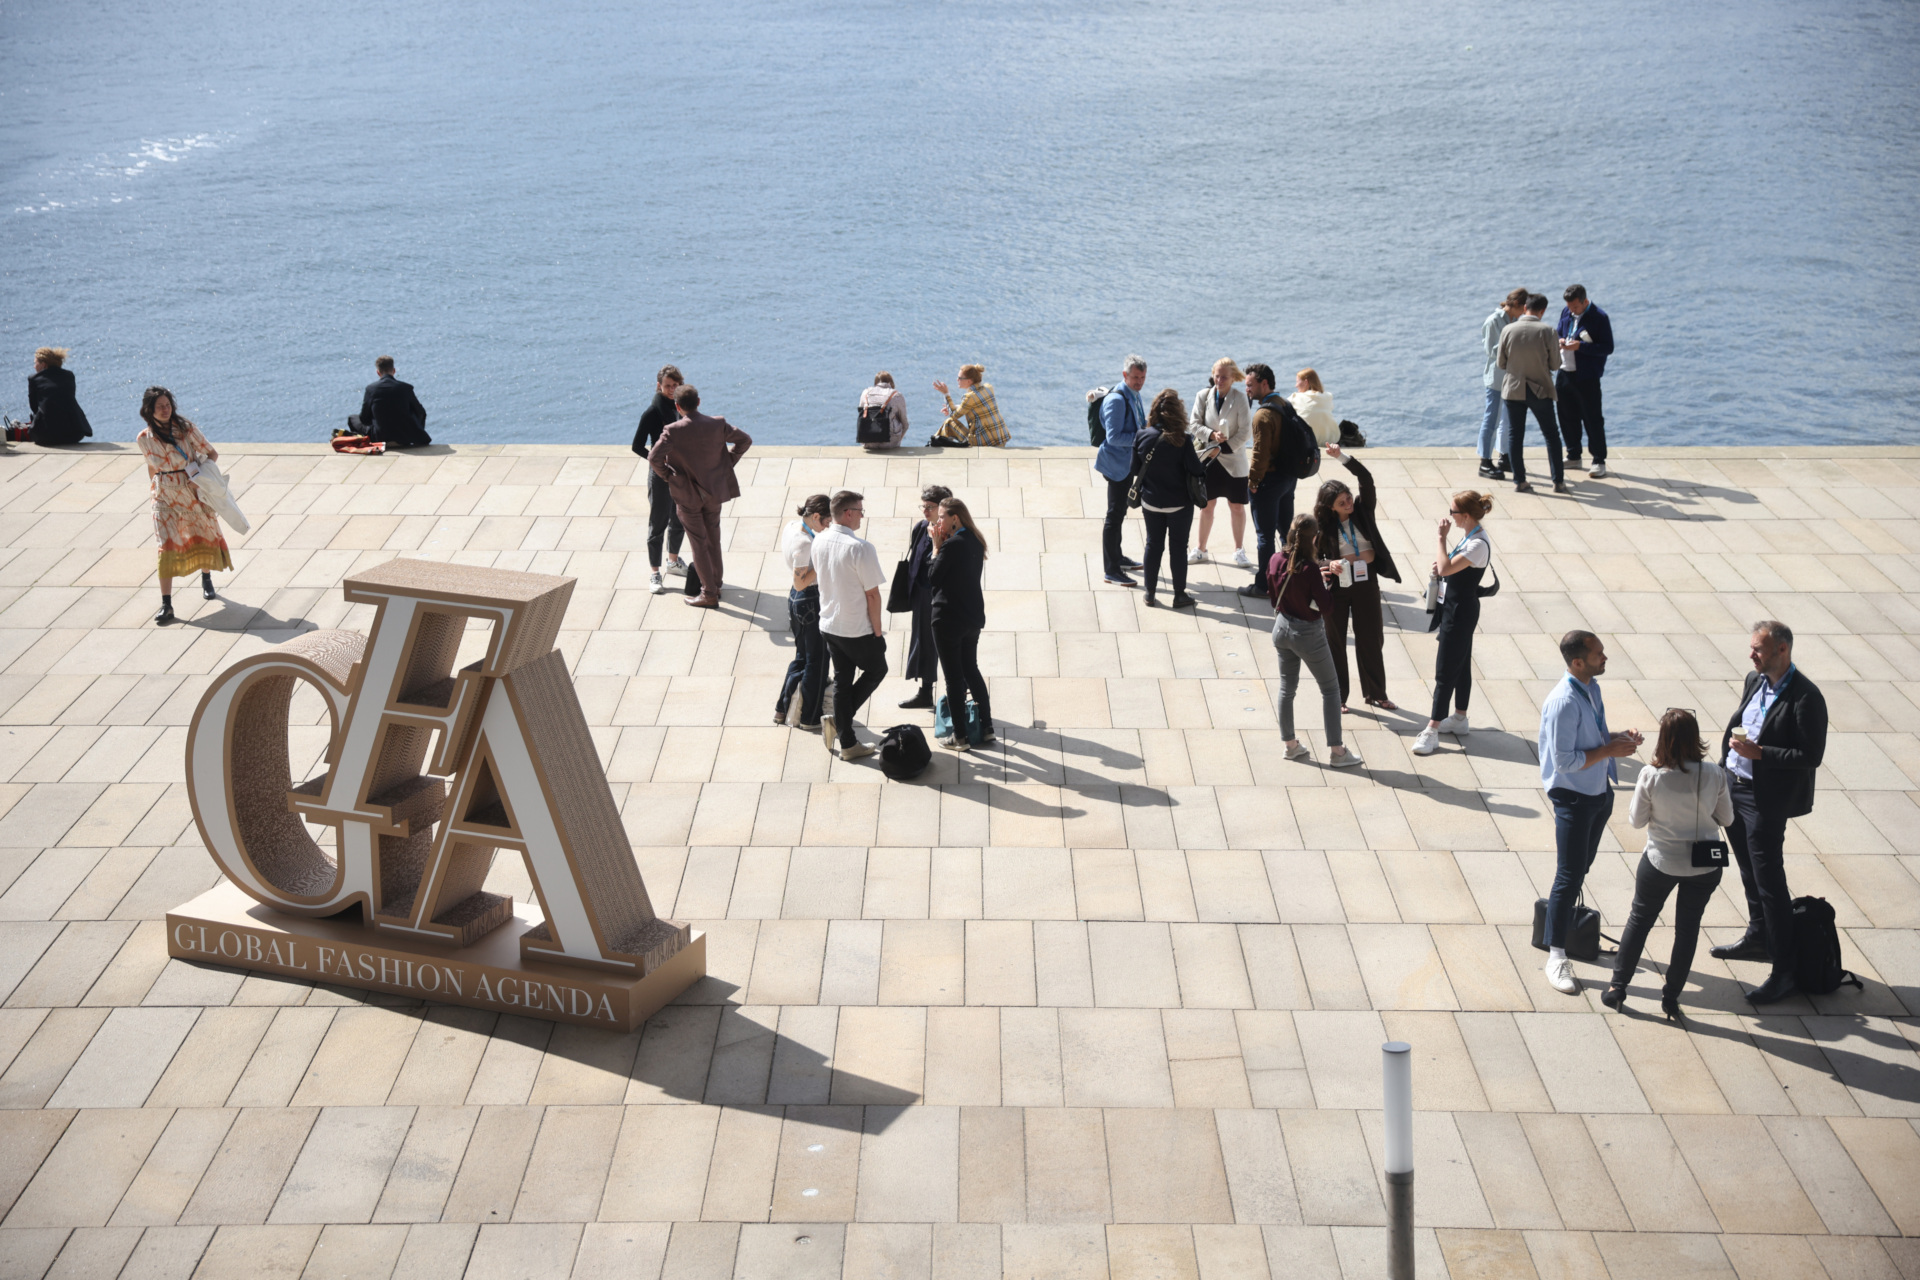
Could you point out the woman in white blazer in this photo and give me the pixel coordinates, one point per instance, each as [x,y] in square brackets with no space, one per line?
[1311,401]
[1222,420]
[1683,801]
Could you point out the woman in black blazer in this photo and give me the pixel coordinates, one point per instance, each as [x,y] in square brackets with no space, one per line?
[1357,558]
[57,416]
[959,614]
[922,662]
[1163,458]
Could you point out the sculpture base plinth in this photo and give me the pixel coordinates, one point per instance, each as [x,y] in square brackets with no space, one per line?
[224,926]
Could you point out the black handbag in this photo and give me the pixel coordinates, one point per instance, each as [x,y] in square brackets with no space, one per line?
[1133,490]
[899,593]
[1583,937]
[1705,854]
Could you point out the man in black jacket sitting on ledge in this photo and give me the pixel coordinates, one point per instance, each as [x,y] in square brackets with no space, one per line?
[390,412]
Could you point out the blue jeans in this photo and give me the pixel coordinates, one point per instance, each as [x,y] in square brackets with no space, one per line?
[1493,427]
[1579,820]
[808,670]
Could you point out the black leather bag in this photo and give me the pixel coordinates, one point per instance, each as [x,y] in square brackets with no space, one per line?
[899,592]
[1583,937]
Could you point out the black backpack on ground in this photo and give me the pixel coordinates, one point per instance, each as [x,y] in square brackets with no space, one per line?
[1816,949]
[1299,447]
[1096,430]
[876,426]
[904,752]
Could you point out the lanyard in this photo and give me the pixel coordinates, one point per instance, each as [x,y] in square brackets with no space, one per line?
[1588,697]
[1463,542]
[1768,697]
[1347,533]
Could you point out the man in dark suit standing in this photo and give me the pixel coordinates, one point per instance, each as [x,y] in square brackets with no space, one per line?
[696,456]
[1772,745]
[1586,340]
[390,412]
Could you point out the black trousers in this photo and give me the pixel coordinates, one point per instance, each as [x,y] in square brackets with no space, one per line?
[1361,601]
[1110,531]
[1580,407]
[1272,508]
[1453,665]
[1549,428]
[960,664]
[923,660]
[1651,886]
[663,521]
[1760,847]
[1166,533]
[866,655]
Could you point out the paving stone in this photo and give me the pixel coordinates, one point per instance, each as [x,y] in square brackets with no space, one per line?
[83,1177]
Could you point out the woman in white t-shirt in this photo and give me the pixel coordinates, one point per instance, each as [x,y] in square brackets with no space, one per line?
[807,673]
[1311,401]
[1460,569]
[1682,800]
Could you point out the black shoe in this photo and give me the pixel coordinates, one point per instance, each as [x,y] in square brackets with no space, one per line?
[1751,947]
[1181,600]
[1253,590]
[165,615]
[1523,487]
[1130,564]
[1774,989]
[1488,470]
[206,587]
[921,701]
[1614,997]
[1670,1005]
[1121,580]
[1501,465]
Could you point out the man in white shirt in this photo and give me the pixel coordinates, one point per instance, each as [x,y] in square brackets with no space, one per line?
[850,578]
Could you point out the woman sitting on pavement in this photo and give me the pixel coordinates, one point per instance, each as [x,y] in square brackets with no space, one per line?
[1300,602]
[977,421]
[807,673]
[1356,559]
[1163,459]
[1311,401]
[1223,418]
[884,402]
[1682,800]
[959,615]
[53,407]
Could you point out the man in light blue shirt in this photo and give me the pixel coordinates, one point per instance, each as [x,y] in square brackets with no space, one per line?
[1493,427]
[1122,414]
[1577,754]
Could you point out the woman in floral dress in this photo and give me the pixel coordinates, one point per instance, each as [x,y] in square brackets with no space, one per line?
[185,527]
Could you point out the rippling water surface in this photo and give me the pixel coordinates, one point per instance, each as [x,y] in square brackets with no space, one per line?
[532,207]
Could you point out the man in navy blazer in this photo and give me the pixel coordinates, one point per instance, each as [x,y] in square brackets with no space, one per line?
[1586,340]
[390,412]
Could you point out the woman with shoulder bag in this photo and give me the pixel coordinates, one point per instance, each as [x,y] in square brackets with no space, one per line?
[1456,581]
[959,615]
[923,664]
[1168,476]
[184,526]
[1683,800]
[1300,604]
[1356,559]
[1223,420]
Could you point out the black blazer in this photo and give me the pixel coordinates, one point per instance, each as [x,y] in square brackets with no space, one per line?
[391,412]
[57,416]
[919,552]
[1793,741]
[1164,483]
[955,575]
[657,418]
[1365,503]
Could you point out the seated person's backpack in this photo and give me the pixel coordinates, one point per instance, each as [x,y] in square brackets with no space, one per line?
[904,752]
[875,423]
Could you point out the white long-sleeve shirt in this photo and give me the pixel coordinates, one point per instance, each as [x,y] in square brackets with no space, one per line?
[1677,807]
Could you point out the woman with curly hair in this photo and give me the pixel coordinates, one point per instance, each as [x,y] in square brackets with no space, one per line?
[187,531]
[1163,459]
[1356,558]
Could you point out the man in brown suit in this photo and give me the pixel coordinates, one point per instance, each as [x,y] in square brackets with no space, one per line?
[696,457]
[1529,356]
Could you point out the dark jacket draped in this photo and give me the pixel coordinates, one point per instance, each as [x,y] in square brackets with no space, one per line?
[57,416]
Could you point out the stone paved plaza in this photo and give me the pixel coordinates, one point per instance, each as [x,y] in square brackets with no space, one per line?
[1105,1000]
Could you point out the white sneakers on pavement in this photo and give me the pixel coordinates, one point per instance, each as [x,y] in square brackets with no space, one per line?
[676,566]
[1599,471]
[655,585]
[1455,724]
[1428,742]
[1241,558]
[1197,556]
[1560,976]
[1299,751]
[1347,759]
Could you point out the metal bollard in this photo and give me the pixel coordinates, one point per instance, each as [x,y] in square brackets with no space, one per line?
[1396,1071]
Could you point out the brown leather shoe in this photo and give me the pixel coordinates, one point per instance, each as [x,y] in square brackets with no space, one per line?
[704,601]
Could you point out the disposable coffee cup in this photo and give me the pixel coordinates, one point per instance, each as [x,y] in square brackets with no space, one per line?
[1740,733]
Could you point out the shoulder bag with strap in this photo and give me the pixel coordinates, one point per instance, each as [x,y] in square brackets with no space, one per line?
[1133,490]
[1706,853]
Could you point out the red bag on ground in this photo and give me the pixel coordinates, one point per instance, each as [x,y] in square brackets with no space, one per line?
[358,444]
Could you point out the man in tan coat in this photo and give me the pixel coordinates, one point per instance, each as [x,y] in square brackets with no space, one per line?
[1529,357]
[696,457]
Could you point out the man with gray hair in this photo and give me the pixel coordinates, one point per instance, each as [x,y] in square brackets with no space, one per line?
[1772,745]
[1122,415]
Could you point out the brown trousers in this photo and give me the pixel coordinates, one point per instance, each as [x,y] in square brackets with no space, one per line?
[1362,602]
[703,536]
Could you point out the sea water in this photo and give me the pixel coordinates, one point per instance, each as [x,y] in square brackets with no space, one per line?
[532,207]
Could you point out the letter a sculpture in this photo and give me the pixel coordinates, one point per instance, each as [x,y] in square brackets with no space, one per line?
[397,902]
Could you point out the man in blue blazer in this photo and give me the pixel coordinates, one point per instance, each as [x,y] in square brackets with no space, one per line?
[1122,414]
[1586,340]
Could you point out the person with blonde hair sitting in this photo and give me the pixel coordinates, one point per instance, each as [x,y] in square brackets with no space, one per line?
[977,421]
[1311,401]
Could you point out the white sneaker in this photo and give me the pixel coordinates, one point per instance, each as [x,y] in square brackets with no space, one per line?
[1455,724]
[1598,471]
[1241,558]
[655,585]
[1428,742]
[1347,759]
[676,566]
[1299,751]
[1198,556]
[1560,975]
